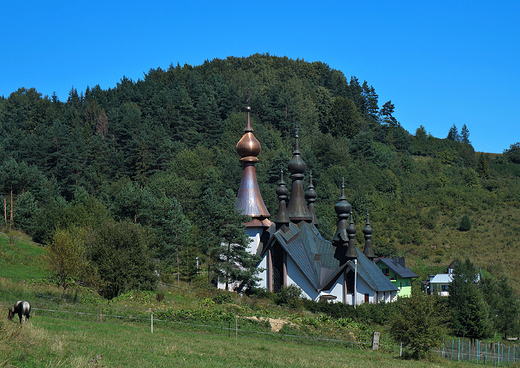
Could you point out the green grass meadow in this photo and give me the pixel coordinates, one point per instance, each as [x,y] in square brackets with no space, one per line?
[67,332]
[54,342]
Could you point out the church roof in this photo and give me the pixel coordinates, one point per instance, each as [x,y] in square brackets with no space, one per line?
[321,262]
[371,274]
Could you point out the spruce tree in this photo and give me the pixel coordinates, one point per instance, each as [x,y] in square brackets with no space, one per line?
[232,263]
[469,311]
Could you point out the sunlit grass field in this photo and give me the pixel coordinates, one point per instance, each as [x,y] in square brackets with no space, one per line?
[55,342]
[66,332]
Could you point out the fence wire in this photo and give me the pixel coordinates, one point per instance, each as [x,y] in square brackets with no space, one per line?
[474,351]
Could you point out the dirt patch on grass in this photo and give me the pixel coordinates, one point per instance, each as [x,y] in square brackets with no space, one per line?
[276,323]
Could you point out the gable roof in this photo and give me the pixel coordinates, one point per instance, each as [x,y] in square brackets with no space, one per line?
[321,262]
[371,274]
[442,278]
[398,268]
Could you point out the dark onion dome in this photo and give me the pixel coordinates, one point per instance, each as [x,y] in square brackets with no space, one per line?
[282,218]
[343,208]
[282,190]
[351,231]
[297,208]
[249,198]
[351,228]
[311,195]
[367,230]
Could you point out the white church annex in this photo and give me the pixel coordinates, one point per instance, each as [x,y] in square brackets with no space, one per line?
[292,250]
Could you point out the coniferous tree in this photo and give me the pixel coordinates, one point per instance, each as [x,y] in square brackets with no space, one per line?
[469,311]
[503,305]
[453,134]
[233,264]
[513,153]
[464,135]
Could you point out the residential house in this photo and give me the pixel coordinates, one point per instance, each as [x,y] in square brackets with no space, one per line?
[396,271]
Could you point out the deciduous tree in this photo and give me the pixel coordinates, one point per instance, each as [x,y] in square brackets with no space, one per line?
[419,324]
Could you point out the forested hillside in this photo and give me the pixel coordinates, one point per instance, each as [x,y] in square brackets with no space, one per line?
[160,152]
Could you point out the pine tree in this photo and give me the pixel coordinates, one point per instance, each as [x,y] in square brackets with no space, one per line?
[469,311]
[464,135]
[453,134]
[233,264]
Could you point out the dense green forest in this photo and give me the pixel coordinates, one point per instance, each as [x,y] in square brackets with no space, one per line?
[159,154]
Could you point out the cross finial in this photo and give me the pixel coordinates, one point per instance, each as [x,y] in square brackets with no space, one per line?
[248,96]
[297,129]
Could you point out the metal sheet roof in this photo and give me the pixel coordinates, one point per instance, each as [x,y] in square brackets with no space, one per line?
[320,261]
[399,269]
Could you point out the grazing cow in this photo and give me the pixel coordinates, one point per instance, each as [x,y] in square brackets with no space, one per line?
[22,308]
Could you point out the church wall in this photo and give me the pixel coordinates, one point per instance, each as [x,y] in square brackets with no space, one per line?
[295,276]
[263,275]
[336,290]
[254,235]
[362,289]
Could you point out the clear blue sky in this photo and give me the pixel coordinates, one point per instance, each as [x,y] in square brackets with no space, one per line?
[440,62]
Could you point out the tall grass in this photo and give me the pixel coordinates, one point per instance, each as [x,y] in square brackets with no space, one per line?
[54,342]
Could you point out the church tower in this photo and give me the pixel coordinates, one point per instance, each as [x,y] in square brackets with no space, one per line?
[249,198]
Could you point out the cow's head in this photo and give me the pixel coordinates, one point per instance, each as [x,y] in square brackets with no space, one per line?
[11,314]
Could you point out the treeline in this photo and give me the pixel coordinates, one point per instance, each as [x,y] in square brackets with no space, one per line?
[152,152]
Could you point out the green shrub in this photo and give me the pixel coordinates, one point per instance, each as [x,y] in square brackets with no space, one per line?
[465,223]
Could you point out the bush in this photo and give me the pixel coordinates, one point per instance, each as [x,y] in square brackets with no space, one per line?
[465,223]
[289,296]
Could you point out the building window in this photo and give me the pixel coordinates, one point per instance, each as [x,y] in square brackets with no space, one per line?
[386,271]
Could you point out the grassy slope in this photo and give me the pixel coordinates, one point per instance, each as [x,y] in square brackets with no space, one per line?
[55,342]
[21,260]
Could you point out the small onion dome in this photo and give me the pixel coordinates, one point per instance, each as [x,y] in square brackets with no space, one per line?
[310,194]
[282,218]
[297,165]
[248,147]
[282,190]
[343,208]
[367,230]
[351,231]
[351,228]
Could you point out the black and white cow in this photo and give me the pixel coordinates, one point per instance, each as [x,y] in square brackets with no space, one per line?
[22,308]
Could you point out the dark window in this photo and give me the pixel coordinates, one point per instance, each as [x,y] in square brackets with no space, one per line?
[350,282]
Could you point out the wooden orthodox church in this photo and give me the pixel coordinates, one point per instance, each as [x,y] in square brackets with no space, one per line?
[292,249]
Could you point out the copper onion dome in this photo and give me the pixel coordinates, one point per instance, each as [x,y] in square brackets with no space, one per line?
[249,198]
